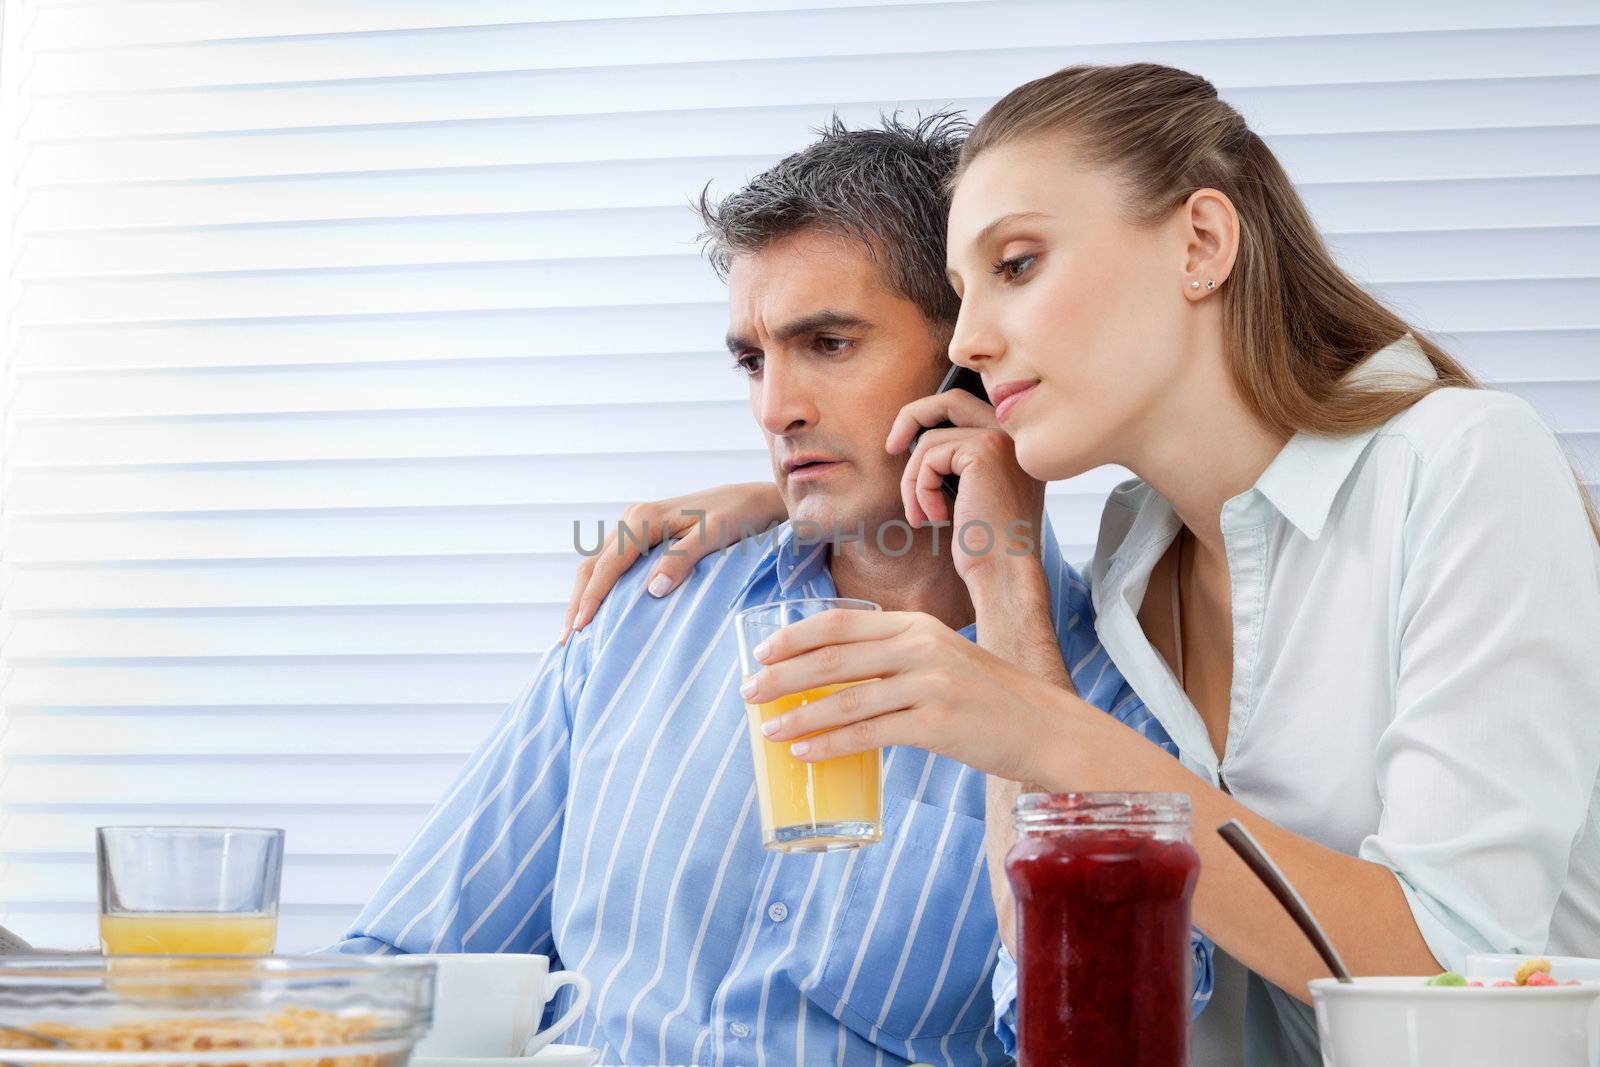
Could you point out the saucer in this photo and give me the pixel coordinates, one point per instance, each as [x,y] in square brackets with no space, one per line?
[549,1056]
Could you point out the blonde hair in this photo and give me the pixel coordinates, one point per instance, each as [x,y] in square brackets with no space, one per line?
[1295,324]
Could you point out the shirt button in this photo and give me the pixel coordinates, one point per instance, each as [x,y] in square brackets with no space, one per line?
[738,1030]
[778,912]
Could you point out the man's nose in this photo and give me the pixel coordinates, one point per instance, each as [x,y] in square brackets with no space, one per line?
[785,402]
[975,342]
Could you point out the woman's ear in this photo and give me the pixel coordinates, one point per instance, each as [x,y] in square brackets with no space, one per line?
[1210,227]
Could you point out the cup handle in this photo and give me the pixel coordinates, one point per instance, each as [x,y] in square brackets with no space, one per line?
[554,982]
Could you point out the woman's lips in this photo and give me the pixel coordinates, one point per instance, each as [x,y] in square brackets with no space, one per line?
[1009,403]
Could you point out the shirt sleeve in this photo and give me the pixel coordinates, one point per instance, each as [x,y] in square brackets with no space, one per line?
[479,874]
[1004,987]
[1487,772]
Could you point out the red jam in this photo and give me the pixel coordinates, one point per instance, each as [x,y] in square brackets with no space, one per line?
[1103,883]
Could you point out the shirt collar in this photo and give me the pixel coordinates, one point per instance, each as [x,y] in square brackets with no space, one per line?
[797,559]
[1306,476]
[787,560]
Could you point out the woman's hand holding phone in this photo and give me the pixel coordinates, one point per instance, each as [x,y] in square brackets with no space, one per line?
[997,516]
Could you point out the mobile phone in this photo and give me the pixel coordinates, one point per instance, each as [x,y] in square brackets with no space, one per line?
[958,378]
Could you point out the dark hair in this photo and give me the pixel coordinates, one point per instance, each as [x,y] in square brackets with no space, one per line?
[886,186]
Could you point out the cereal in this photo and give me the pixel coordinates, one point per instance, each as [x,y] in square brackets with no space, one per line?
[291,1028]
[1534,972]
[1532,967]
[1447,978]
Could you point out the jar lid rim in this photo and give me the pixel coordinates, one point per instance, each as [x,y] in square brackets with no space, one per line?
[1101,807]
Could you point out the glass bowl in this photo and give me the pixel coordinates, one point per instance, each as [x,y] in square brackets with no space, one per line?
[209,1011]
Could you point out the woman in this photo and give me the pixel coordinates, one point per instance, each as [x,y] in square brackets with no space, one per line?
[1362,594]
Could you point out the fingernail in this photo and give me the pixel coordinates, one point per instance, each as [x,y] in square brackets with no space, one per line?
[748,689]
[660,585]
[770,727]
[800,748]
[761,651]
[563,638]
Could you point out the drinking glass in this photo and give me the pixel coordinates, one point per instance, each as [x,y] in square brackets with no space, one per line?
[189,890]
[807,807]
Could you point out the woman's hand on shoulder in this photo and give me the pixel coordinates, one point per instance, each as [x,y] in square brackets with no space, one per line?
[698,523]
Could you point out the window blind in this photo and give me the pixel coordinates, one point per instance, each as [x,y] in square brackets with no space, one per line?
[326,319]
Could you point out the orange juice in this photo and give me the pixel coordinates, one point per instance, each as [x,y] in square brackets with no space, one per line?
[187,933]
[813,807]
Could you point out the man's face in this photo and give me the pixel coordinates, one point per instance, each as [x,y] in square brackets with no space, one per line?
[831,354]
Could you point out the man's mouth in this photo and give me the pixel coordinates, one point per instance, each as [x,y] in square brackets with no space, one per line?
[808,468]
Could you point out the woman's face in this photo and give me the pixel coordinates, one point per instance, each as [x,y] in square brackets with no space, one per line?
[1064,298]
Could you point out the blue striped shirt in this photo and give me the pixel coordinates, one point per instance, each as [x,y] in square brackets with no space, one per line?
[610,822]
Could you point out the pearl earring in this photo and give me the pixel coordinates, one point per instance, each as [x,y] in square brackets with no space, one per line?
[1194,285]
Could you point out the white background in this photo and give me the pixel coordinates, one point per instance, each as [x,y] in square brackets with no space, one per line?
[326,318]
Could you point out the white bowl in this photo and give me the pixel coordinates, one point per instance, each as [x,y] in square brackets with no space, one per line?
[1400,1022]
[1488,968]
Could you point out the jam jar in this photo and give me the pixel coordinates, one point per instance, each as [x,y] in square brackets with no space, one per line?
[1103,883]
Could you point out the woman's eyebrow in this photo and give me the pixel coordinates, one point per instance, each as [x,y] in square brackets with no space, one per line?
[953,276]
[1005,220]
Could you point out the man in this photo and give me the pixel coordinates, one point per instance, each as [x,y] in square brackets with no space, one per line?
[610,821]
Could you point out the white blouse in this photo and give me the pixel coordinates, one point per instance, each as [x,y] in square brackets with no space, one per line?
[1416,660]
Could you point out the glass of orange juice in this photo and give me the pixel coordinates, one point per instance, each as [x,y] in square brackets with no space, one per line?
[807,807]
[188,890]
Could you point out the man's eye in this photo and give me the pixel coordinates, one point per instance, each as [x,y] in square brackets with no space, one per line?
[833,346]
[1014,268]
[750,363]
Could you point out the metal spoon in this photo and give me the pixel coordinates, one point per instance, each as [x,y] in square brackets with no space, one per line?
[1256,858]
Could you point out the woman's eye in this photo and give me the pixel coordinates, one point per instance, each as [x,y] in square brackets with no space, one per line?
[833,346]
[1014,268]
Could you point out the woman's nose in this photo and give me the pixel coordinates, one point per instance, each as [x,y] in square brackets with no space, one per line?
[974,341]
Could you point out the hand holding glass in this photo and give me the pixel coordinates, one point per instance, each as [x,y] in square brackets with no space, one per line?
[807,807]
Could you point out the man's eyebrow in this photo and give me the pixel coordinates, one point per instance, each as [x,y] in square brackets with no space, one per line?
[826,319]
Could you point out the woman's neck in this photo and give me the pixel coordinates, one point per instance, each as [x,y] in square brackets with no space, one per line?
[1203,448]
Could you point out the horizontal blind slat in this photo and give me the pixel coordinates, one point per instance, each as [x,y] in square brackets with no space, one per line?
[1192,38]
[1332,107]
[309,829]
[478,678]
[98,25]
[324,732]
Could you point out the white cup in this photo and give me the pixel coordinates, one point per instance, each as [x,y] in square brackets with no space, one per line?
[489,1004]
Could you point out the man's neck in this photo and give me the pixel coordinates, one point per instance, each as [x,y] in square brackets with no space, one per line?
[919,579]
